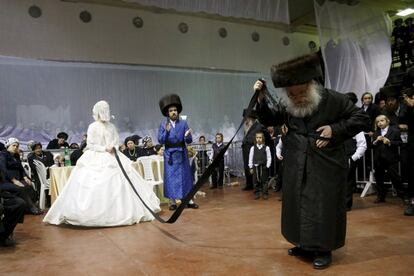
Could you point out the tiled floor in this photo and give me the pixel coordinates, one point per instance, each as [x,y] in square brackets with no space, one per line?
[231,234]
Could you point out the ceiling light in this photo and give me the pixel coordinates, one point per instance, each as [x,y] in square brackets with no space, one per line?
[405,12]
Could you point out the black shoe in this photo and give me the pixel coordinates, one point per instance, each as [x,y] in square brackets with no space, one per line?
[247,189]
[192,206]
[173,207]
[379,200]
[8,242]
[296,251]
[213,187]
[322,260]
[35,211]
[409,211]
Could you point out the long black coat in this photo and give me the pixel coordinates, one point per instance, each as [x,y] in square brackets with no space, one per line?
[314,180]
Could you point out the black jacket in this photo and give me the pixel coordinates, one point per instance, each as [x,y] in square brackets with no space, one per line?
[54,145]
[387,153]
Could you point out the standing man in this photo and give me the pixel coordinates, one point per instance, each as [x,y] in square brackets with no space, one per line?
[174,134]
[315,172]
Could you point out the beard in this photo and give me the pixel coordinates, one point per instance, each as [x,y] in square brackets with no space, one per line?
[312,101]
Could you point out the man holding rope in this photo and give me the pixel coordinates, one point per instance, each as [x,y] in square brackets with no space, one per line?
[315,172]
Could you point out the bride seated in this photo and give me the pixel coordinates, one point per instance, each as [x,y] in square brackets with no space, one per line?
[97,193]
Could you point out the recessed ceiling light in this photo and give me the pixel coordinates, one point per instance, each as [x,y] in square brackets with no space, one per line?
[405,12]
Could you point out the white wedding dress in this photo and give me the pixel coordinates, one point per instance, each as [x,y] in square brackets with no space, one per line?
[97,193]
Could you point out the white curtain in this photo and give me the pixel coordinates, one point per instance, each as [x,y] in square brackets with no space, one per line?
[261,10]
[355,43]
[40,98]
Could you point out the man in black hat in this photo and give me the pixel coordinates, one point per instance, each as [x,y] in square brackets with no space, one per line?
[319,120]
[251,127]
[175,134]
[394,109]
[59,142]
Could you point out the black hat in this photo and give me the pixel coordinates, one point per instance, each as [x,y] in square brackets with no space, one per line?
[170,100]
[391,91]
[352,96]
[297,71]
[133,138]
[62,135]
[249,113]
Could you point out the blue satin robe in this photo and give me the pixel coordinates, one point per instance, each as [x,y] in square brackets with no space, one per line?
[177,173]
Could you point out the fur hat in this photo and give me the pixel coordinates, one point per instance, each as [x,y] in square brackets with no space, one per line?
[11,141]
[297,71]
[62,135]
[391,91]
[168,101]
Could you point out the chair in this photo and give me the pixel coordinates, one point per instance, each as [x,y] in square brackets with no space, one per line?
[146,162]
[27,169]
[44,183]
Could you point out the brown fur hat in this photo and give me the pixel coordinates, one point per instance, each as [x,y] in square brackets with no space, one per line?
[168,101]
[297,71]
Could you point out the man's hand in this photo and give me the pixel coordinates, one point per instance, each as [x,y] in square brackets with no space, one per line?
[188,132]
[258,85]
[326,132]
[168,126]
[17,183]
[251,171]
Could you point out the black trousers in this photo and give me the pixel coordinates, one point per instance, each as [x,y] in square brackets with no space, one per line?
[260,175]
[392,169]
[26,193]
[217,176]
[14,209]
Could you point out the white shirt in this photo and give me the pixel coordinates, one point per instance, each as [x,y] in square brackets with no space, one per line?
[279,148]
[384,131]
[172,123]
[361,146]
[268,156]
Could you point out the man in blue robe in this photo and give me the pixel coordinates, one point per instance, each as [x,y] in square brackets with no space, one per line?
[175,134]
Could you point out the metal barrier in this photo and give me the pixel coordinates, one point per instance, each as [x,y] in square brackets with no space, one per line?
[368,179]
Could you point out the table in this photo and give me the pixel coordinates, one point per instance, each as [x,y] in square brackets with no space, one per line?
[60,175]
[58,178]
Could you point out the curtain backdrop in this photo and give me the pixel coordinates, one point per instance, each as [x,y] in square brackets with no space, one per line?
[261,10]
[355,42]
[40,98]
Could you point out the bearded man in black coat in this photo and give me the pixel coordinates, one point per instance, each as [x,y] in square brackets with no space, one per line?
[319,120]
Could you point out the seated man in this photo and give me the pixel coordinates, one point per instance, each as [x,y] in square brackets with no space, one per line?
[59,142]
[43,156]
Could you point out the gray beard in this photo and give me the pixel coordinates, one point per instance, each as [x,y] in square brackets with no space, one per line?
[314,98]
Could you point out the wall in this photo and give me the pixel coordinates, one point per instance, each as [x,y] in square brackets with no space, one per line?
[111,37]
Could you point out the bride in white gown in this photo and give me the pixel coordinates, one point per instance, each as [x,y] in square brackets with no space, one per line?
[97,193]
